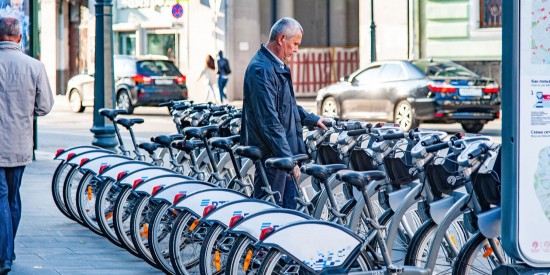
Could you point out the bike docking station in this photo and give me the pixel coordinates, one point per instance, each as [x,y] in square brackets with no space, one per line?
[526,136]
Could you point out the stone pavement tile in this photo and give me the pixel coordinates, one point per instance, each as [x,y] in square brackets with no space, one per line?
[107,271]
[21,269]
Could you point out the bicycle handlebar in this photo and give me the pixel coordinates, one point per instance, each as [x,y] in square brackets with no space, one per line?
[358,132]
[481,149]
[431,140]
[390,137]
[437,147]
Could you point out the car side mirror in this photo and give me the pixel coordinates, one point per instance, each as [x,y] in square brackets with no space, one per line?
[355,82]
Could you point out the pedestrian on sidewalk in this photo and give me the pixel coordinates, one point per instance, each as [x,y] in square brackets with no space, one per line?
[223,75]
[209,74]
[271,118]
[24,93]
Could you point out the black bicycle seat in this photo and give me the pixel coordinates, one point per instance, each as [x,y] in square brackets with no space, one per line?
[200,132]
[252,152]
[111,113]
[224,143]
[322,172]
[286,164]
[359,179]
[150,147]
[162,140]
[129,122]
[187,145]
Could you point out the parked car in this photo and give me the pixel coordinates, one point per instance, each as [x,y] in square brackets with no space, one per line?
[139,81]
[411,92]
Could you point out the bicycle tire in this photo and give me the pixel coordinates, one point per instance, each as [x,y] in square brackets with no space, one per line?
[105,201]
[474,251]
[86,194]
[159,237]
[121,218]
[58,180]
[235,259]
[69,192]
[207,264]
[177,244]
[139,227]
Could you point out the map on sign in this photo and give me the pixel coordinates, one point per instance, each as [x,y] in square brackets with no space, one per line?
[540,32]
[542,181]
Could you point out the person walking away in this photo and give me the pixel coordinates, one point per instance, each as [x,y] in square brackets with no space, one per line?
[209,74]
[223,75]
[24,93]
[271,119]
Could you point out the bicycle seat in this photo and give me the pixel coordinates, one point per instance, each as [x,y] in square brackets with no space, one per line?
[286,164]
[224,143]
[111,113]
[322,172]
[359,179]
[129,122]
[200,132]
[187,145]
[252,152]
[150,147]
[162,140]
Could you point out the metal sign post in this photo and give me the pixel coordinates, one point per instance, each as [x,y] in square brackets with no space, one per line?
[526,135]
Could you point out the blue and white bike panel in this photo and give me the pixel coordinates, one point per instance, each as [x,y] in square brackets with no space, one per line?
[77,150]
[223,214]
[253,225]
[168,193]
[316,244]
[126,167]
[195,203]
[146,187]
[95,164]
[145,174]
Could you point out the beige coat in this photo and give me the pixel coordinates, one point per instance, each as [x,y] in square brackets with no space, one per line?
[24,92]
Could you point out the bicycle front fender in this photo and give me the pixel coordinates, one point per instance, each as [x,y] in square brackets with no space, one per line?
[489,223]
[146,187]
[113,170]
[168,193]
[196,202]
[95,164]
[77,150]
[223,214]
[252,225]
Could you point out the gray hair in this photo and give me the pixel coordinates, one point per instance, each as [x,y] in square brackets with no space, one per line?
[10,27]
[287,26]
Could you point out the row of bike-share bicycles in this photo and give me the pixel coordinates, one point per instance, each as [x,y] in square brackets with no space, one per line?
[371,198]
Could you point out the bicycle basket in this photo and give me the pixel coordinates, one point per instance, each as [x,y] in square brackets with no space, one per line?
[361,160]
[399,166]
[487,185]
[443,176]
[328,154]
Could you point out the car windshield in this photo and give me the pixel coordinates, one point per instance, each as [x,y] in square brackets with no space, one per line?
[443,69]
[157,68]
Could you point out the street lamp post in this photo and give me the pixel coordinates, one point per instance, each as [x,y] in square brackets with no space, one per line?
[372,33]
[104,135]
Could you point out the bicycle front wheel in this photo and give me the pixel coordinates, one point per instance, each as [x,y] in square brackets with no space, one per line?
[480,256]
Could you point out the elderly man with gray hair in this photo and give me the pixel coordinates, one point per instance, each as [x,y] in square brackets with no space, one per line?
[271,119]
[24,93]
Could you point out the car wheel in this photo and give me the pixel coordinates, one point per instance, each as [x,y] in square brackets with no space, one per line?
[123,102]
[472,127]
[330,108]
[404,116]
[76,102]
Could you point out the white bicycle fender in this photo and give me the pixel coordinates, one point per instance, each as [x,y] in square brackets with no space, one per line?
[196,202]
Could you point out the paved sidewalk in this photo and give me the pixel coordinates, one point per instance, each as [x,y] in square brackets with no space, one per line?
[49,243]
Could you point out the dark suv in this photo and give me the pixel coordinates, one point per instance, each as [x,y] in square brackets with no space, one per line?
[139,81]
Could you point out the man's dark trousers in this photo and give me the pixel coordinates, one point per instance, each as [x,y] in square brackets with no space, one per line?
[10,209]
[281,182]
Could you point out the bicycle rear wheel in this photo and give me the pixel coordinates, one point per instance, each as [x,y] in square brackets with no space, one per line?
[58,181]
[480,256]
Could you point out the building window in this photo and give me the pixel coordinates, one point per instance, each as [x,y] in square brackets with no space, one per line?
[490,13]
[126,43]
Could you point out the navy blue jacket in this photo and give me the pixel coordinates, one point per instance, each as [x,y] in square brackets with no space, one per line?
[272,120]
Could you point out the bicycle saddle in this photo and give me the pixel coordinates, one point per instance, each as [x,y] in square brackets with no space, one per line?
[150,147]
[163,140]
[224,143]
[359,179]
[127,123]
[187,145]
[111,113]
[200,132]
[252,152]
[286,164]
[322,172]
